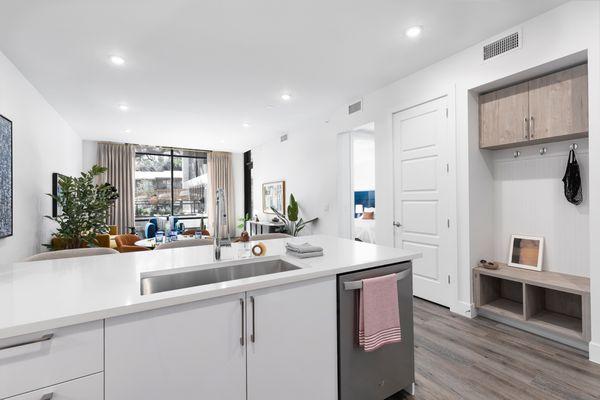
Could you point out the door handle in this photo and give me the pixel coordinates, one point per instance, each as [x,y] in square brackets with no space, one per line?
[253,335]
[397,224]
[526,129]
[242,303]
[531,127]
[44,338]
[47,396]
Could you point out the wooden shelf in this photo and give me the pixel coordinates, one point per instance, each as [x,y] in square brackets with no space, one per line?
[547,279]
[558,323]
[505,307]
[546,303]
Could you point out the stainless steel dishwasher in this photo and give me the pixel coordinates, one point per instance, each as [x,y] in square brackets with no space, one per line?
[379,374]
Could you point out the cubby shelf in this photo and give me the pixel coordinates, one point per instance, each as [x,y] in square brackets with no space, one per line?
[550,304]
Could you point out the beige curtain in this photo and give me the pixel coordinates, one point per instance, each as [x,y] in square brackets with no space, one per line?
[120,160]
[220,176]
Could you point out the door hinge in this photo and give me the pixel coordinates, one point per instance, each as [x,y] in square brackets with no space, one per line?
[446,112]
[448,221]
[447,168]
[448,279]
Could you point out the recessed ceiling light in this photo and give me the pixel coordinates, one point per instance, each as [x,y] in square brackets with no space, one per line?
[414,31]
[123,107]
[117,60]
[286,97]
[246,125]
[127,130]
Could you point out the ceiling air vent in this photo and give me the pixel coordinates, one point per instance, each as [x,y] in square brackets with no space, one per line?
[502,45]
[355,107]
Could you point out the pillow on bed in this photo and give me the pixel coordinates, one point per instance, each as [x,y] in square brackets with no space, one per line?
[368,215]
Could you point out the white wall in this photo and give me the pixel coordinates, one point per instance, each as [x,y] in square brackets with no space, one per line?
[90,154]
[529,199]
[43,143]
[307,162]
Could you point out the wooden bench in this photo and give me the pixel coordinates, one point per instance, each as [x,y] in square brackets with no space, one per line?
[550,304]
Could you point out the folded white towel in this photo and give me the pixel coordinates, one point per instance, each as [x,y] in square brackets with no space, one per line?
[303,247]
[305,255]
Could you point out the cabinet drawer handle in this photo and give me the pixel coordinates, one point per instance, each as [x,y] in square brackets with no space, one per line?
[47,396]
[242,341]
[526,129]
[531,127]
[44,338]
[253,335]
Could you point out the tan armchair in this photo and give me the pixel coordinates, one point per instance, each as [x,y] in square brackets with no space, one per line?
[126,243]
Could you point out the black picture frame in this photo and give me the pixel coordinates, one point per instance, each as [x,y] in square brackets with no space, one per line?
[6,178]
[55,192]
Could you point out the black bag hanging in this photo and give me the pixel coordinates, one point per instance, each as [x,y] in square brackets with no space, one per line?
[572,181]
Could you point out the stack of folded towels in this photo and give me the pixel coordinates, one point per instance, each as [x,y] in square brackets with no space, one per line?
[303,250]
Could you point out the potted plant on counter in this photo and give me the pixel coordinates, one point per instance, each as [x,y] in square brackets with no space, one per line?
[85,208]
[293,224]
[244,236]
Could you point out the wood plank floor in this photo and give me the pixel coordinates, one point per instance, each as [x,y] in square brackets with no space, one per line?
[479,359]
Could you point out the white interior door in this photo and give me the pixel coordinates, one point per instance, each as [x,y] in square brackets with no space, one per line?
[422,196]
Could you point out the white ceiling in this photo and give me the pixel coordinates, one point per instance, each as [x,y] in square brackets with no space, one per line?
[196,70]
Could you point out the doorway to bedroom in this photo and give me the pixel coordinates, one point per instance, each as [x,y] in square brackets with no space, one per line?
[363,184]
[356,183]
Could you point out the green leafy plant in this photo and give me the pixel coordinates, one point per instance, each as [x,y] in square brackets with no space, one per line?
[85,208]
[293,224]
[242,221]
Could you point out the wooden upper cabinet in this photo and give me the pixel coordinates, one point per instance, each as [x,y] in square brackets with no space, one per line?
[502,116]
[553,107]
[558,104]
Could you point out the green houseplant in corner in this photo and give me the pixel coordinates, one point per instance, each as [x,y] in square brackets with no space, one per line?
[293,224]
[84,208]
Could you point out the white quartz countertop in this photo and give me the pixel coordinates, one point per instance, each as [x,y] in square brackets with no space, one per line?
[44,295]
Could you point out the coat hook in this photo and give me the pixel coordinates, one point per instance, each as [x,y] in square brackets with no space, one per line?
[516,154]
[543,151]
[574,146]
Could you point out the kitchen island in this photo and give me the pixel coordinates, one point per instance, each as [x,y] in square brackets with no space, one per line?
[82,326]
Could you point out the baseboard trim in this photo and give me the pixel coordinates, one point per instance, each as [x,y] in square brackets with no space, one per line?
[464,309]
[595,352]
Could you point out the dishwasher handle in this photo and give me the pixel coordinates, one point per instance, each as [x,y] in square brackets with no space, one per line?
[353,285]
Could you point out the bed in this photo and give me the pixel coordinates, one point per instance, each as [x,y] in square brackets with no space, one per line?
[364,229]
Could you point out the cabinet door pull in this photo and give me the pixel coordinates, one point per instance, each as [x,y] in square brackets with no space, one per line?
[242,341]
[531,127]
[253,335]
[47,396]
[526,129]
[44,338]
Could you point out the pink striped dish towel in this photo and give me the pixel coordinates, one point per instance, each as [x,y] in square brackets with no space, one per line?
[378,314]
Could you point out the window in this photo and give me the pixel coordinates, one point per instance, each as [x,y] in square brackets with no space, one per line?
[170,182]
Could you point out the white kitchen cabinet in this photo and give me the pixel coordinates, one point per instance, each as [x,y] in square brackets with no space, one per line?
[38,360]
[274,343]
[292,335]
[86,388]
[190,351]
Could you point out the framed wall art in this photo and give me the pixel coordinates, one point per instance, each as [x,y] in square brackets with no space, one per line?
[6,178]
[273,195]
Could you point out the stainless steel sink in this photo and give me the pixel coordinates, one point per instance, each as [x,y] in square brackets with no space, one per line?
[185,279]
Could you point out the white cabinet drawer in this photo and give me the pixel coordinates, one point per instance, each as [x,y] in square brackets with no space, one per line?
[35,361]
[87,388]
